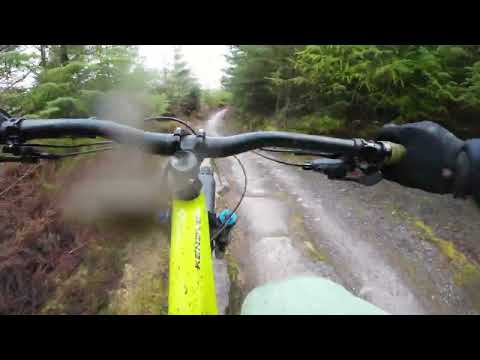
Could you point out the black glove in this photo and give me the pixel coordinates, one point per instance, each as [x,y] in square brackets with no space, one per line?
[467,180]
[4,116]
[431,160]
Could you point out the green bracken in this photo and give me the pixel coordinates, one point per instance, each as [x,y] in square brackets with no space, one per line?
[356,88]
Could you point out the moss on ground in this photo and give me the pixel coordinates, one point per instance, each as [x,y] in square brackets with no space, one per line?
[235,295]
[143,288]
[118,275]
[297,226]
[85,291]
[466,271]
[313,252]
[142,292]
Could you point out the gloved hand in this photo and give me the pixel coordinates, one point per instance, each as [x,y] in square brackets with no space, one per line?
[431,160]
[4,115]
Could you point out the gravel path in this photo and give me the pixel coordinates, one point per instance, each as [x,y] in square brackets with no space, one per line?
[407,251]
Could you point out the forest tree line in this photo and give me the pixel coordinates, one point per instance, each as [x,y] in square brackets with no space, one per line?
[330,89]
[54,81]
[351,88]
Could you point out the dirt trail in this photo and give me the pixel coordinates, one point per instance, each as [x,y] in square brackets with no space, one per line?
[407,251]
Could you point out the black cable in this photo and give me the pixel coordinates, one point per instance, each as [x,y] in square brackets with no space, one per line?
[68,146]
[277,161]
[60,156]
[10,159]
[56,156]
[278,150]
[225,223]
[184,123]
[299,152]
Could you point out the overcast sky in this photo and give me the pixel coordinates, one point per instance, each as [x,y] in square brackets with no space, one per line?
[205,61]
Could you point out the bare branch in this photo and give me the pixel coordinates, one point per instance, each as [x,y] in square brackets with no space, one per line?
[5,48]
[9,86]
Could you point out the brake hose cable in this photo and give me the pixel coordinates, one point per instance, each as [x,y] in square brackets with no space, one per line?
[67,146]
[225,223]
[300,152]
[60,156]
[276,160]
[184,123]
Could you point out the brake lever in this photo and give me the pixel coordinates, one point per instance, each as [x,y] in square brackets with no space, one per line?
[333,168]
[25,154]
[338,169]
[370,179]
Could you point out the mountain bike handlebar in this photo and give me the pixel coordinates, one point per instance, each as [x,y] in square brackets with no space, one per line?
[21,130]
[24,130]
[235,144]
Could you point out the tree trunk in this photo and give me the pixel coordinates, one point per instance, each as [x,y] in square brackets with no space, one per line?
[287,105]
[277,102]
[43,56]
[63,55]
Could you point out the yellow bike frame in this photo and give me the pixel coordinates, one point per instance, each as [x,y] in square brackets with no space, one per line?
[191,277]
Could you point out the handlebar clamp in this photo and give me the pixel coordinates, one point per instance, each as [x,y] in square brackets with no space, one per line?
[374,152]
[10,130]
[180,132]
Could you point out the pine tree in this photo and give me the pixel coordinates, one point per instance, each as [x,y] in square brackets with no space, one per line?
[317,86]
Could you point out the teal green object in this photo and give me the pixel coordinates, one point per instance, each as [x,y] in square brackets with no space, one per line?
[306,295]
[224,214]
